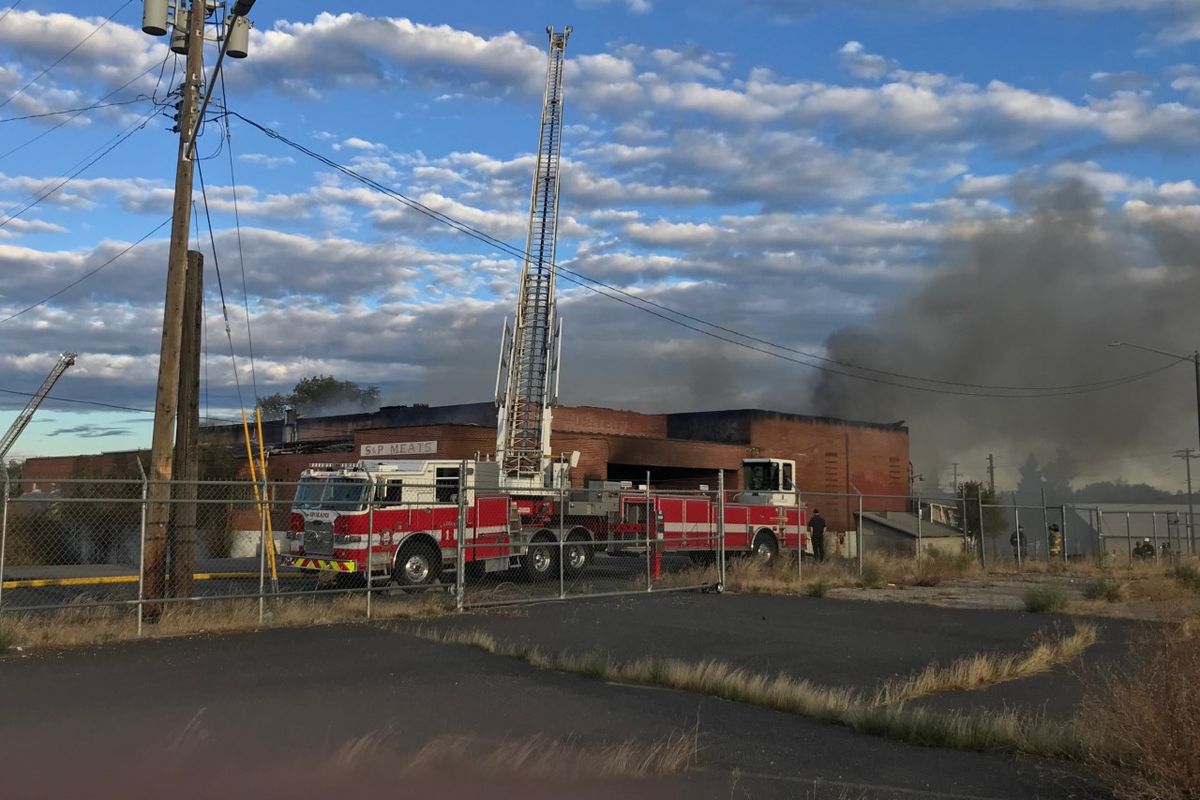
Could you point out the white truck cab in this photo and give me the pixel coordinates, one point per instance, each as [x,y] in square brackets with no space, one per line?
[768,481]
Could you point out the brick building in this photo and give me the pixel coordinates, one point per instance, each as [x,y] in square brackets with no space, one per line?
[678,450]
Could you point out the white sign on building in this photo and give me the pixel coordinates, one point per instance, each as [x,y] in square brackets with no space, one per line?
[399,449]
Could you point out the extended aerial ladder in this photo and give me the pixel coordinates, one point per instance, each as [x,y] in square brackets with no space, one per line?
[527,376]
[65,360]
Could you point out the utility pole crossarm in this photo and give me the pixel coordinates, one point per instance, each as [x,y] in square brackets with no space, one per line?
[65,361]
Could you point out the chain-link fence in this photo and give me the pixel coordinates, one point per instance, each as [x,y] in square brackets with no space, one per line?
[388,534]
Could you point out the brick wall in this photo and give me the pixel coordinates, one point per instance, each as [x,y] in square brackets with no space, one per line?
[591,419]
[831,455]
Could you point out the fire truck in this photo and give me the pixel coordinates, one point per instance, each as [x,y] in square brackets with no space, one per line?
[409,518]
[402,519]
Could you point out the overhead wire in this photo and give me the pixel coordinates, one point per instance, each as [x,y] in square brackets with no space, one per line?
[81,109]
[76,114]
[711,329]
[64,56]
[87,274]
[54,189]
[10,9]
[220,286]
[237,221]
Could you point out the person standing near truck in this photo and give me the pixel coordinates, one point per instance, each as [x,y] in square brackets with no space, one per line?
[816,524]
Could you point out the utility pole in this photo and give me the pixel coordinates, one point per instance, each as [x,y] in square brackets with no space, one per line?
[187,431]
[158,509]
[955,463]
[991,473]
[1187,455]
[189,27]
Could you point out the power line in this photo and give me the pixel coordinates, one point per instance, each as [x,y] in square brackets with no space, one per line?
[121,137]
[86,275]
[684,319]
[93,107]
[10,9]
[74,116]
[61,58]
[237,221]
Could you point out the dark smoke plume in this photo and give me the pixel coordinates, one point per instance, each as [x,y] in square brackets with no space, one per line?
[1033,300]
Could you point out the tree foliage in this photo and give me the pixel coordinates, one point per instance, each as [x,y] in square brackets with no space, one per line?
[321,394]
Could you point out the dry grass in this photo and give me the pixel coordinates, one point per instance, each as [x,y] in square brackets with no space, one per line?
[748,576]
[884,714]
[560,760]
[986,669]
[1104,589]
[75,627]
[1146,717]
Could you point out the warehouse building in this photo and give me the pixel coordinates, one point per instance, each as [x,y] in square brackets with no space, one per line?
[677,450]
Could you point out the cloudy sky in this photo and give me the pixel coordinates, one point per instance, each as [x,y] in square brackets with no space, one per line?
[961,197]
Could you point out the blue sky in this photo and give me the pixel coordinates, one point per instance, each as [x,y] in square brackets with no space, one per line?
[785,169]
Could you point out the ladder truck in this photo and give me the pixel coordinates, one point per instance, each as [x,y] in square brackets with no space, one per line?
[403,517]
[65,361]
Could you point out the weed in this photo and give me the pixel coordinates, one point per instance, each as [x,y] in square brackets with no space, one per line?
[872,575]
[1103,589]
[1187,575]
[818,588]
[8,640]
[1045,600]
[1145,717]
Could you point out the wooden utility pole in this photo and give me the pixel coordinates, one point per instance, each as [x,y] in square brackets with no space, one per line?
[187,431]
[167,397]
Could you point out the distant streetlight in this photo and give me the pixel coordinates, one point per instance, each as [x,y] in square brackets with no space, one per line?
[1187,454]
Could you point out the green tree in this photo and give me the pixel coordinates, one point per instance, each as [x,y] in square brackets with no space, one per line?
[321,394]
[994,520]
[15,468]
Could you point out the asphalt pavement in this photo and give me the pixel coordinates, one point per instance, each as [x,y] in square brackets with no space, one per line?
[271,713]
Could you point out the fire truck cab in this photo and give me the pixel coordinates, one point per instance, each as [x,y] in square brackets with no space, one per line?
[768,481]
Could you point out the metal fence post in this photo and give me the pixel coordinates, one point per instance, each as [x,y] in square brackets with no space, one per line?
[721,529]
[460,539]
[1100,553]
[562,535]
[1045,525]
[1063,532]
[649,522]
[370,537]
[262,557]
[1017,522]
[142,548]
[1154,532]
[799,537]
[860,543]
[4,532]
[920,531]
[1128,538]
[979,498]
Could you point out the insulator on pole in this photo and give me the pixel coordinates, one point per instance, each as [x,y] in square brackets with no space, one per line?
[154,17]
[238,38]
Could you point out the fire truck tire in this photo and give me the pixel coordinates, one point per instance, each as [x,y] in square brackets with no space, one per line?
[766,549]
[577,553]
[417,565]
[540,562]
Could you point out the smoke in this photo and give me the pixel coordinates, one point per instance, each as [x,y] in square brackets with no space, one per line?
[1032,300]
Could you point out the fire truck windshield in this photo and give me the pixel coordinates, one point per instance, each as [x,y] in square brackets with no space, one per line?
[331,494]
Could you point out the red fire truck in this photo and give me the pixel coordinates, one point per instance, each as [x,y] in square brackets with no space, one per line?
[401,518]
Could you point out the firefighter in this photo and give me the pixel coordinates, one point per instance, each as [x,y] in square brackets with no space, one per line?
[816,524]
[1054,542]
[1019,544]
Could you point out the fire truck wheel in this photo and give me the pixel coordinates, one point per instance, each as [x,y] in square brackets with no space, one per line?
[576,554]
[541,560]
[766,549]
[416,566]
